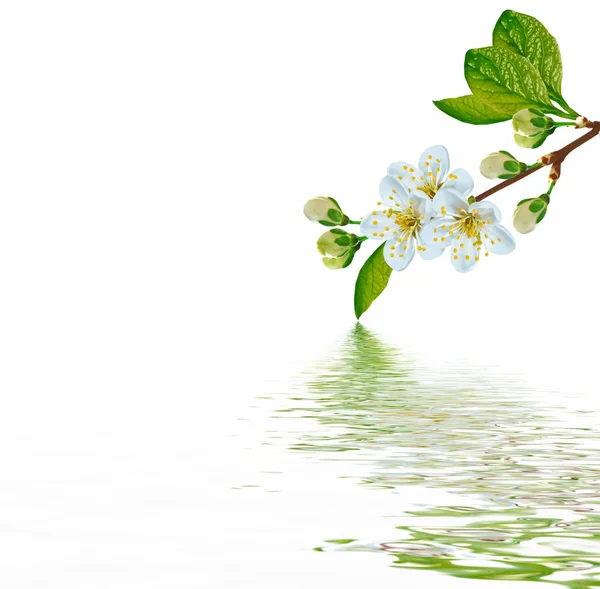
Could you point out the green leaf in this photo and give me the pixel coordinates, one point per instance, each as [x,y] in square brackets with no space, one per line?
[470,109]
[371,281]
[528,37]
[506,80]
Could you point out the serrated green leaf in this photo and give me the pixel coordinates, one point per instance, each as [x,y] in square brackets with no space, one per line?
[371,281]
[528,37]
[506,80]
[470,109]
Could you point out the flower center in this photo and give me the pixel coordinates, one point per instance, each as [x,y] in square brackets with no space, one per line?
[430,188]
[408,221]
[469,224]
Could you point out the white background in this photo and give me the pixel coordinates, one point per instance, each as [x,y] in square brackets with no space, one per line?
[156,157]
[154,161]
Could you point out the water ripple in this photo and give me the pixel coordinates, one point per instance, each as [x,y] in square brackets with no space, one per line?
[525,476]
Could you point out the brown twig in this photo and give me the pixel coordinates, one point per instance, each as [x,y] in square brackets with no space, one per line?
[555,158]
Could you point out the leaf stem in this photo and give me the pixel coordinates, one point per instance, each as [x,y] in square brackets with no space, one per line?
[554,158]
[564,115]
[563,103]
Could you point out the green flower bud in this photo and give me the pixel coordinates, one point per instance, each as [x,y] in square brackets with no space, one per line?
[531,122]
[341,262]
[501,164]
[325,210]
[337,248]
[531,142]
[335,243]
[530,212]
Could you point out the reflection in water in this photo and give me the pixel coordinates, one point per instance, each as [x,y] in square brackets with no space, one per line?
[525,482]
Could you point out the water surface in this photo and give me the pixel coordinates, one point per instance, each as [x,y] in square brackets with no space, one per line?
[476,475]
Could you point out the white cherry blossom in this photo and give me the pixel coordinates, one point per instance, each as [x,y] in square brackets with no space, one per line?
[471,231]
[432,174]
[408,196]
[399,224]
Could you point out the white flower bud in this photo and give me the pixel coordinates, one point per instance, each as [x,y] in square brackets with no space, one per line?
[531,122]
[529,213]
[326,211]
[501,164]
[530,142]
[337,248]
[335,243]
[341,262]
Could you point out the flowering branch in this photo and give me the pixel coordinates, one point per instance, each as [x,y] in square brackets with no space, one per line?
[555,159]
[428,208]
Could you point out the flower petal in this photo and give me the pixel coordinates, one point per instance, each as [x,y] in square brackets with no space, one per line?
[393,193]
[377,225]
[463,254]
[461,181]
[435,159]
[434,233]
[497,239]
[421,205]
[398,254]
[406,174]
[429,252]
[486,211]
[451,202]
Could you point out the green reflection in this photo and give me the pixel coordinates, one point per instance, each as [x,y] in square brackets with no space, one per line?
[518,485]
